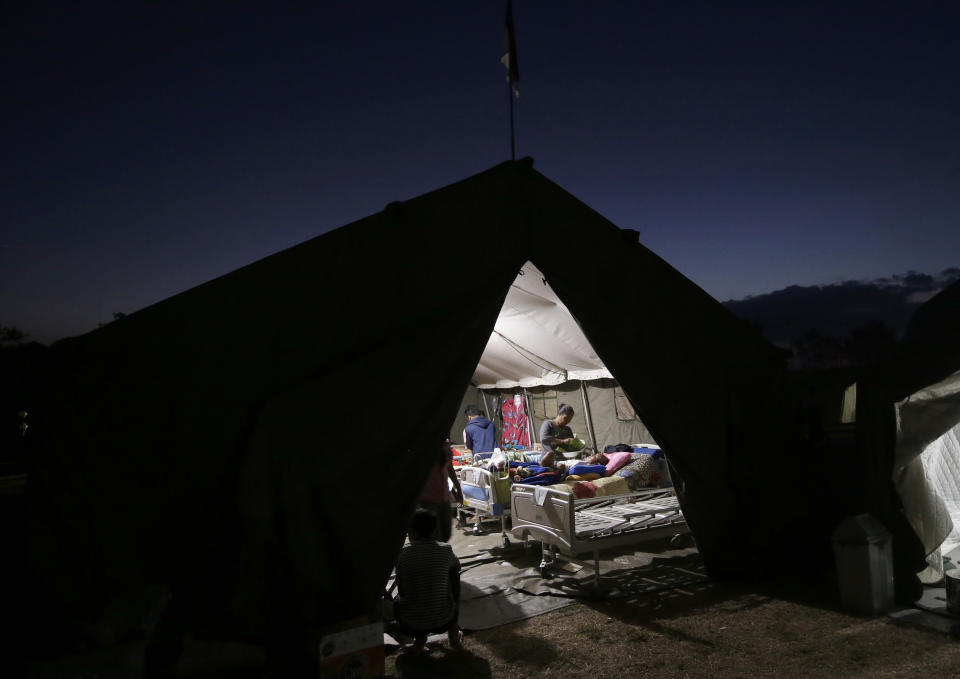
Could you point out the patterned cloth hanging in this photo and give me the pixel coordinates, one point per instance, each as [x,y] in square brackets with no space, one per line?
[513,423]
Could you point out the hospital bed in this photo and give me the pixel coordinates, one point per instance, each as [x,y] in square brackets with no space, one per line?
[568,526]
[486,495]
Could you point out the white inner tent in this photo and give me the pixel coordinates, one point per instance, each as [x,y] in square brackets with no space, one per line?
[538,352]
[536,340]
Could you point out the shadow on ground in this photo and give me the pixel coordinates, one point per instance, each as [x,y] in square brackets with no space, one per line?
[651,596]
[201,660]
[440,663]
[515,648]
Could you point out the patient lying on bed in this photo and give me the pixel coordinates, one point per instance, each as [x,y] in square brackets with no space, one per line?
[534,474]
[600,474]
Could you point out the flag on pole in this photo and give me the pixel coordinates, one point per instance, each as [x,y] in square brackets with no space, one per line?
[509,58]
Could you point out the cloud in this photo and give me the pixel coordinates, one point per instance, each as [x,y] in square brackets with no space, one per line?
[952,273]
[836,310]
[913,281]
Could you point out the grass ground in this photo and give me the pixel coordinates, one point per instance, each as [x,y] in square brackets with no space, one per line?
[706,630]
[715,631]
[791,628]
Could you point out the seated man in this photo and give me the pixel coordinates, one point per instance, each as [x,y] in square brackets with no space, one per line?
[428,585]
[555,432]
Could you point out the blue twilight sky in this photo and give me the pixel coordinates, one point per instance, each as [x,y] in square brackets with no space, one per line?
[149,147]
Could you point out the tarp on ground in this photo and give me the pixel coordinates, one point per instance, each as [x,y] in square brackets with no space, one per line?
[216,439]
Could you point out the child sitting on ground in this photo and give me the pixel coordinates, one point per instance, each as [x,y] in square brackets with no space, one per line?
[428,584]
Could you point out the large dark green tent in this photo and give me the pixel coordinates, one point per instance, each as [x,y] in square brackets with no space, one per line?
[265,434]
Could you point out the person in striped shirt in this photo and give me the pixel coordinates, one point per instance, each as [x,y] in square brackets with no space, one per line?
[428,584]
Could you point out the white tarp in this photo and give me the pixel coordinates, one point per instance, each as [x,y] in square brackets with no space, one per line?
[535,340]
[927,466]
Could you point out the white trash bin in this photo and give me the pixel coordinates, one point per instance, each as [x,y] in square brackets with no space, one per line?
[863,550]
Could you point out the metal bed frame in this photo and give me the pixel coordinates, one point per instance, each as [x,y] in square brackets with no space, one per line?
[491,504]
[568,526]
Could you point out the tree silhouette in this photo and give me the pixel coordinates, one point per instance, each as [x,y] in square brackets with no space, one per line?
[816,351]
[117,315]
[867,344]
[10,335]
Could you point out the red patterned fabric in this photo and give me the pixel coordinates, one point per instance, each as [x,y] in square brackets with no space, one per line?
[583,489]
[513,423]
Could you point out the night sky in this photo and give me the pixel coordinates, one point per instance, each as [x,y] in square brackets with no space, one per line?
[149,148]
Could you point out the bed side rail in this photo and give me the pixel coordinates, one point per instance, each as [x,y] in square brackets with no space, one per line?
[541,509]
[497,485]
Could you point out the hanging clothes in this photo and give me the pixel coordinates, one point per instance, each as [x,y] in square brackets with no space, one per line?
[513,423]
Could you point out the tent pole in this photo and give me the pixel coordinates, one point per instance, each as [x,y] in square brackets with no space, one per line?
[492,415]
[532,432]
[586,413]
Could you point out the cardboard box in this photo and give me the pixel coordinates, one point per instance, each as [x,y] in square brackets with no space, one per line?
[353,650]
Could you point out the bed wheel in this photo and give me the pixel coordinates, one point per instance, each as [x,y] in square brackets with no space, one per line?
[676,541]
[476,529]
[506,542]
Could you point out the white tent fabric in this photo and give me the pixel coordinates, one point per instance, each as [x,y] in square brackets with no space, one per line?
[536,340]
[927,467]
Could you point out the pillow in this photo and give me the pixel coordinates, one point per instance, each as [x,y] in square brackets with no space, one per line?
[582,469]
[640,473]
[584,477]
[611,485]
[615,461]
